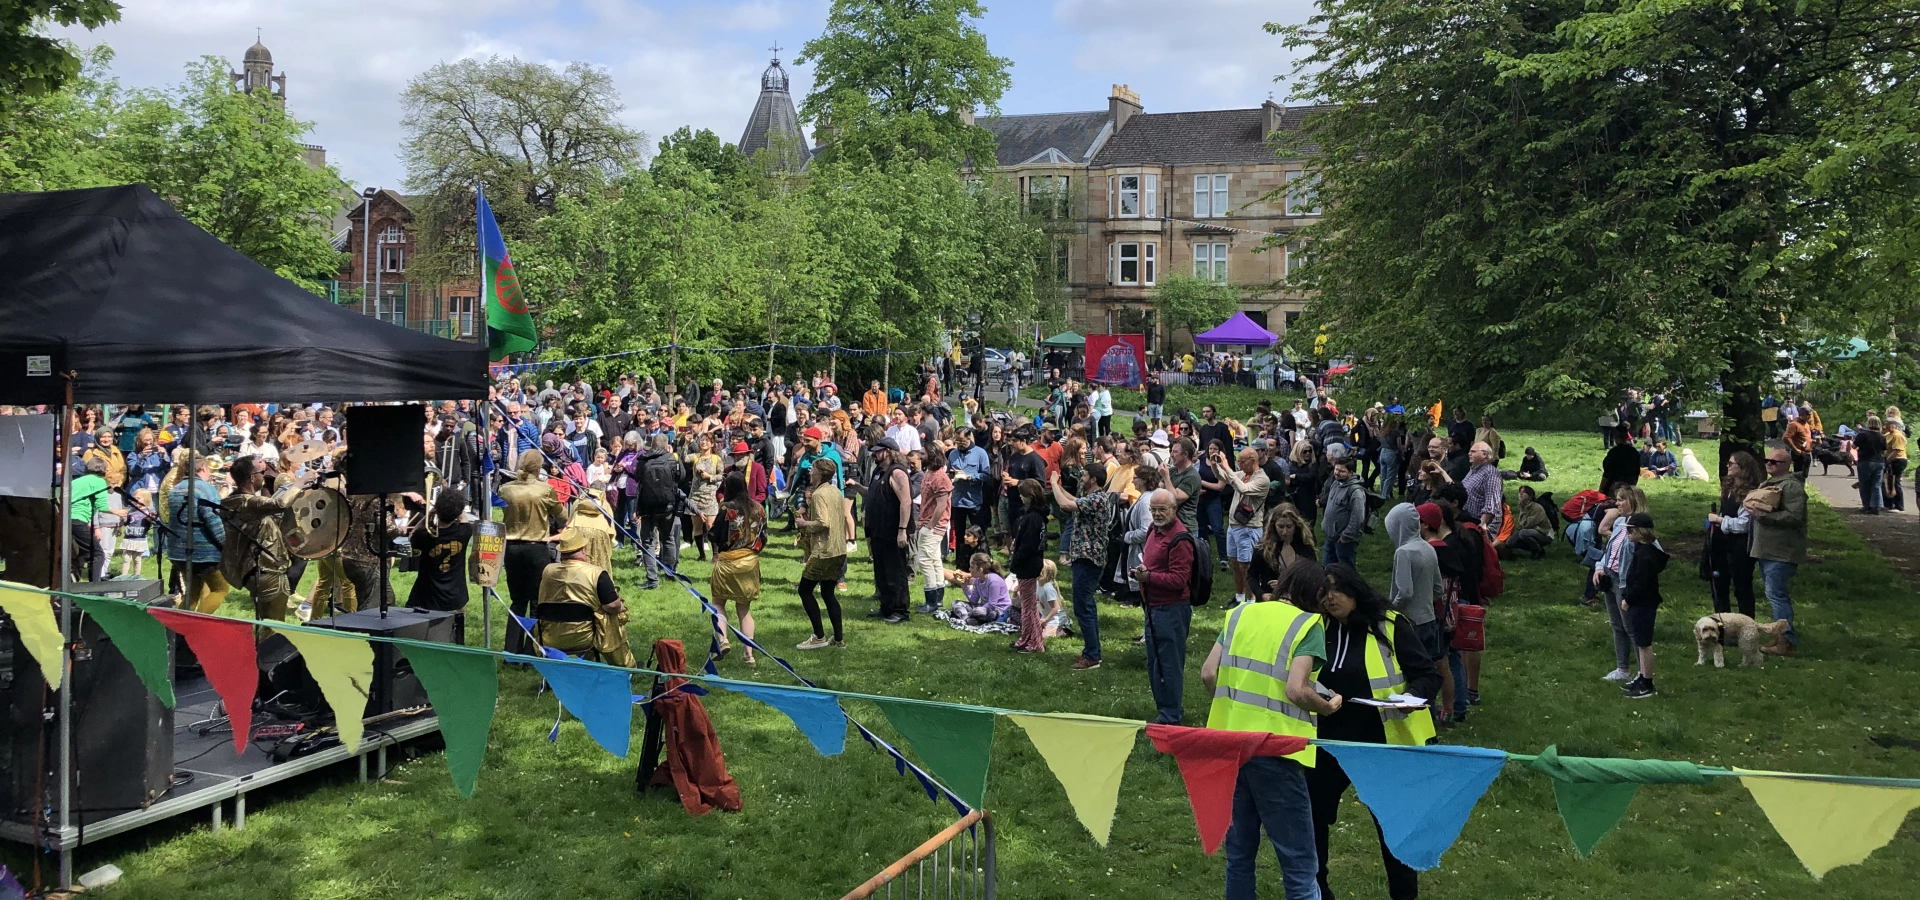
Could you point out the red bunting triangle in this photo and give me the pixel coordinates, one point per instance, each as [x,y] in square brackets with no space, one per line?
[226,651]
[1210,765]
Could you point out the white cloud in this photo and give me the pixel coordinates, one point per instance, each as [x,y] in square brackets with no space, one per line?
[1211,54]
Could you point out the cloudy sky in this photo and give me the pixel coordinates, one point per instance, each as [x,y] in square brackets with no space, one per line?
[683,63]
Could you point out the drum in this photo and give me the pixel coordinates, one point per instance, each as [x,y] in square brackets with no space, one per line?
[316,522]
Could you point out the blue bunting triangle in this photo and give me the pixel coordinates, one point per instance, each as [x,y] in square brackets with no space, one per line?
[601,697]
[818,716]
[1420,795]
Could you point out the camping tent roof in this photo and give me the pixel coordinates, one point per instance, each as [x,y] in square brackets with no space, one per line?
[1065,339]
[115,285]
[1238,330]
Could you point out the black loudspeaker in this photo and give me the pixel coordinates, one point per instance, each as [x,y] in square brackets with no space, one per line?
[285,682]
[394,684]
[122,734]
[384,452]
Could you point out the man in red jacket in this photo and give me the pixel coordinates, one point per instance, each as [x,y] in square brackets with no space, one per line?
[1165,570]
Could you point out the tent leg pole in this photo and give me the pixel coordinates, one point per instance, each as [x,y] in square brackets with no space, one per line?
[485,514]
[65,580]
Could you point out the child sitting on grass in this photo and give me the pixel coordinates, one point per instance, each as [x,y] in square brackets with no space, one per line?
[1640,598]
[972,541]
[1058,621]
[987,599]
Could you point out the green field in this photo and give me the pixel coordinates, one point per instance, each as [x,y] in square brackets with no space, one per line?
[561,820]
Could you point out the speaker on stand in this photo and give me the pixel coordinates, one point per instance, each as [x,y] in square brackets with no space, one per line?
[385,456]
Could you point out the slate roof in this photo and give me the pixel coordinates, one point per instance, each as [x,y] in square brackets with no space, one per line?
[774,114]
[1026,138]
[1207,137]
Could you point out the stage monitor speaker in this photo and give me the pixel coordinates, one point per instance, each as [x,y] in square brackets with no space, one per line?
[384,451]
[394,684]
[122,733]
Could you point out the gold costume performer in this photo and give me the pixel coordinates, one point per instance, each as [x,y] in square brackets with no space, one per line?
[532,508]
[256,556]
[580,610]
[591,524]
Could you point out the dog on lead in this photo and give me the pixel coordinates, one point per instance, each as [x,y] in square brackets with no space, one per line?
[1830,452]
[1716,632]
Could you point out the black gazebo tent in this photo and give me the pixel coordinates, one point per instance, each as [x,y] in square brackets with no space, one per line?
[144,307]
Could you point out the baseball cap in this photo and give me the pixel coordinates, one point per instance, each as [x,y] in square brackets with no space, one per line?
[1259,444]
[813,431]
[1639,520]
[1430,516]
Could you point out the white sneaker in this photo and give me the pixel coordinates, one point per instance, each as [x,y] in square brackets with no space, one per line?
[812,643]
[1618,675]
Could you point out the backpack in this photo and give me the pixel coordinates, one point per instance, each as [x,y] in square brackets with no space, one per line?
[1200,583]
[659,483]
[1579,504]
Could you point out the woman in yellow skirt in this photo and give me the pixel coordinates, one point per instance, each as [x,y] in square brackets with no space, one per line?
[739,533]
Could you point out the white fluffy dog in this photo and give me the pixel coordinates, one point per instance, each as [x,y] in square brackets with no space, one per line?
[1715,632]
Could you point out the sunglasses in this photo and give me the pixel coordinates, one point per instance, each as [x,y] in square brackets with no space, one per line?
[1776,462]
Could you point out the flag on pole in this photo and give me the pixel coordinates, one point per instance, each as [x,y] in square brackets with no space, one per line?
[509,327]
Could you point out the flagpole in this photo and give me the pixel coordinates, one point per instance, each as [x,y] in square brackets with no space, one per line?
[485,444]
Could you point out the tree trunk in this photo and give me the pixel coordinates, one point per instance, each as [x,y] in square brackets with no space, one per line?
[1747,371]
[886,366]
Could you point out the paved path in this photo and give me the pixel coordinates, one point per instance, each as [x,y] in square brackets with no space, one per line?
[1895,534]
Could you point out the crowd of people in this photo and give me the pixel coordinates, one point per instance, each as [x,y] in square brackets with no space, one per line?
[987,509]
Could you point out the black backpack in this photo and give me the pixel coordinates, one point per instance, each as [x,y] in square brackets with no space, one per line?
[1200,583]
[659,483]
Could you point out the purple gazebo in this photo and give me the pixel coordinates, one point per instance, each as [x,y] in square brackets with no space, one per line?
[1240,331]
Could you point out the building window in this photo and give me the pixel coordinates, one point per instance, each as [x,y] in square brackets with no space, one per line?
[392,235]
[1290,320]
[1148,262]
[1296,259]
[391,306]
[1302,199]
[1153,197]
[1062,261]
[1129,264]
[1210,262]
[1210,196]
[1046,195]
[460,315]
[1129,196]
[393,259]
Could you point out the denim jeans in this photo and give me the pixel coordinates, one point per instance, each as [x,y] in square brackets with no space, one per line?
[1777,576]
[1334,551]
[658,535]
[1066,531]
[1389,473]
[1167,628]
[1212,528]
[1086,614]
[1271,793]
[1870,473]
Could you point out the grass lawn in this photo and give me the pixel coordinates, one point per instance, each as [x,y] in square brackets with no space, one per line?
[561,820]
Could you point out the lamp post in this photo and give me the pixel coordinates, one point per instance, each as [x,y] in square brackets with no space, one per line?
[366,235]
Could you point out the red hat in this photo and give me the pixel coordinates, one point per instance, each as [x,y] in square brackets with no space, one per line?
[739,447]
[813,431]
[1430,516]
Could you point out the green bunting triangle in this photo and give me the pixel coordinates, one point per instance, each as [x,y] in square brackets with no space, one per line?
[955,743]
[1591,810]
[463,687]
[140,638]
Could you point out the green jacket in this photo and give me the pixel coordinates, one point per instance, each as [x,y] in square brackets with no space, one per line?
[1781,535]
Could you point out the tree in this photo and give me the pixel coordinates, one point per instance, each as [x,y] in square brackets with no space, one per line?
[65,139]
[898,77]
[529,133]
[1193,304]
[32,64]
[1542,200]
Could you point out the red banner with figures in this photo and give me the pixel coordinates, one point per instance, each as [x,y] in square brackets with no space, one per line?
[1119,360]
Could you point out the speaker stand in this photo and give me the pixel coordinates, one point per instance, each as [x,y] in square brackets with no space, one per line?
[386,551]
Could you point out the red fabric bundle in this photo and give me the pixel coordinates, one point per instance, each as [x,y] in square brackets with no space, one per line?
[693,765]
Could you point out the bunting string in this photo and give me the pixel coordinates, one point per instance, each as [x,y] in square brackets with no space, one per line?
[549,365]
[1827,820]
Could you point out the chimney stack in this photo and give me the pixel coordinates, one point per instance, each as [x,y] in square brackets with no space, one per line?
[1274,111]
[1124,104]
[966,115]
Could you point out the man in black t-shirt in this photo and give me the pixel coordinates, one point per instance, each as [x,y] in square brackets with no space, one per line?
[1211,429]
[1022,463]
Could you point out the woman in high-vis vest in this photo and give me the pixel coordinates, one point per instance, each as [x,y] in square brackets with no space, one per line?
[1261,672]
[1372,651]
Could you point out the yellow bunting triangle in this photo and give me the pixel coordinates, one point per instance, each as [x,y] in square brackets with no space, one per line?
[1830,824]
[32,614]
[343,667]
[1088,754]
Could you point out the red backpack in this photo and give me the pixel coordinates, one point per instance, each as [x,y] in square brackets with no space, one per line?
[1493,579]
[1576,508]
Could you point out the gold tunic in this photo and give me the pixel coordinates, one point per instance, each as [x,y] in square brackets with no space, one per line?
[575,581]
[531,508]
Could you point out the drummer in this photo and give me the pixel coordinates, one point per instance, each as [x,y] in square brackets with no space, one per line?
[255,554]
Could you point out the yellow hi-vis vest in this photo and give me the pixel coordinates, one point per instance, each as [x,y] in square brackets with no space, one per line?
[1410,728]
[1251,692]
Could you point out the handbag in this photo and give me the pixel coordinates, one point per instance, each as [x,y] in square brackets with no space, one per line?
[1244,511]
[1470,627]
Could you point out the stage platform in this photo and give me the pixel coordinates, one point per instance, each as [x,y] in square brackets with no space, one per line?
[220,775]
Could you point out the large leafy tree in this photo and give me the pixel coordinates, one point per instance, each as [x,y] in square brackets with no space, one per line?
[230,161]
[32,64]
[1561,199]
[1193,304]
[903,77]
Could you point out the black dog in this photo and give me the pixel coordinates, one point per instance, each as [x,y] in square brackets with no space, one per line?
[1827,454]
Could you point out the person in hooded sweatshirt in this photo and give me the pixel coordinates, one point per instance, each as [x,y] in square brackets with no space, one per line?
[1415,591]
[1640,598]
